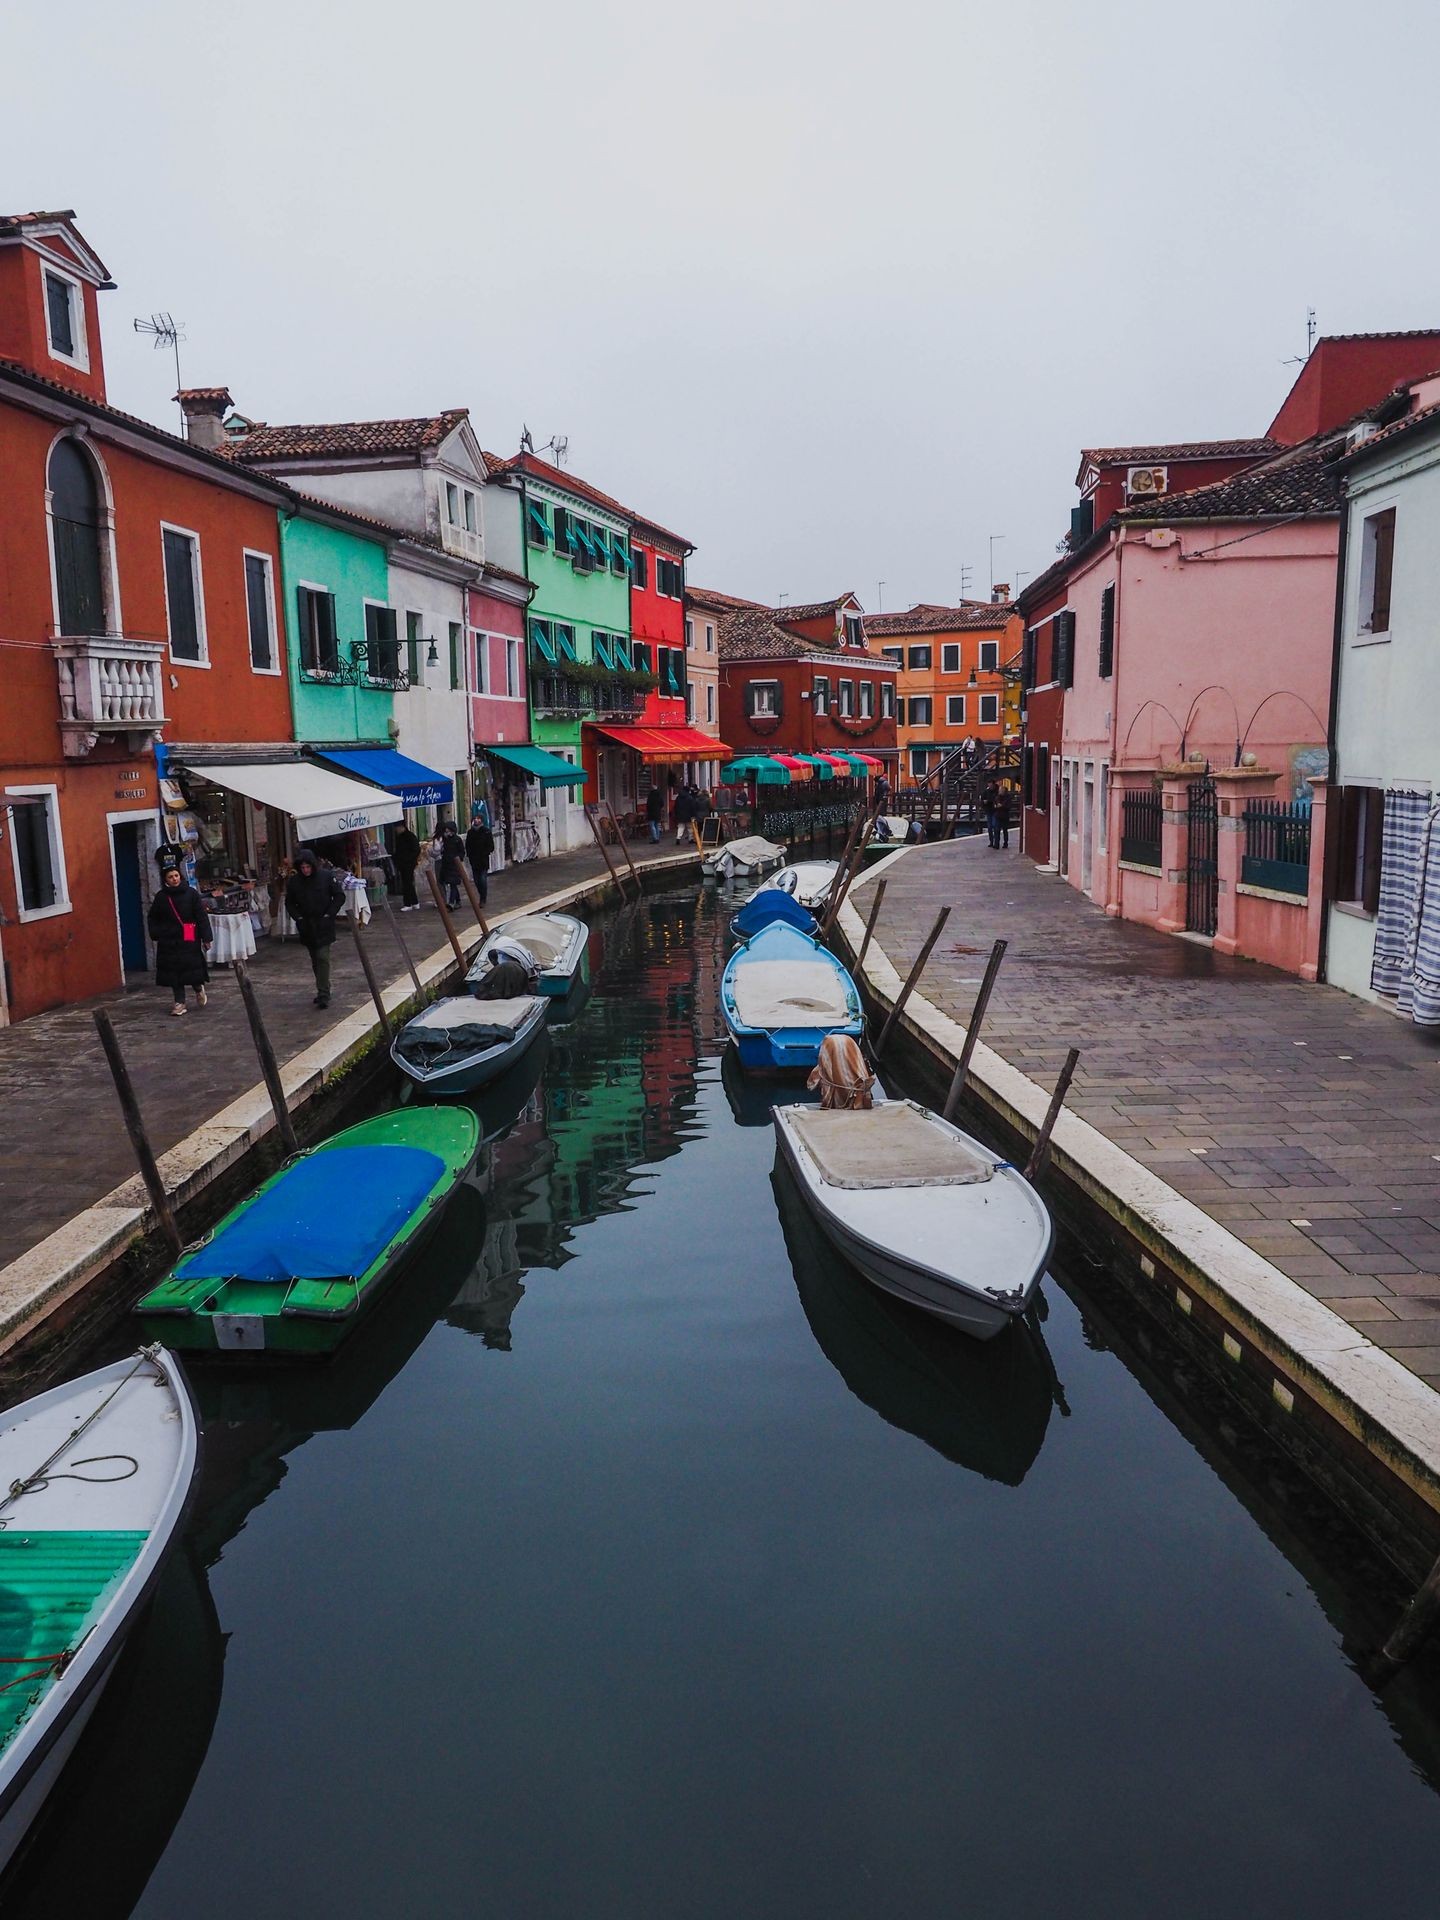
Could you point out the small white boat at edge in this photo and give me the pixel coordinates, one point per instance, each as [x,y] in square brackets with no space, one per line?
[459,1044]
[558,944]
[923,1210]
[100,1473]
[808,881]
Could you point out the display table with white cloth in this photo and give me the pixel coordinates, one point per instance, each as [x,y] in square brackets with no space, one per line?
[357,898]
[234,938]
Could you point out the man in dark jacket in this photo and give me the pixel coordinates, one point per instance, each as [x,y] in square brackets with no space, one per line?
[314,898]
[452,860]
[407,859]
[654,811]
[479,845]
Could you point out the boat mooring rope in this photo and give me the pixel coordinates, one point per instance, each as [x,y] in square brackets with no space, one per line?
[42,1476]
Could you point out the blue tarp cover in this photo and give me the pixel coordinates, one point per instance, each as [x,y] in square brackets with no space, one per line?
[769,905]
[329,1216]
[416,786]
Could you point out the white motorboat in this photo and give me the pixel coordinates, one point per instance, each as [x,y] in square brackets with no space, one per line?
[557,944]
[922,1210]
[100,1473]
[459,1044]
[750,855]
[808,881]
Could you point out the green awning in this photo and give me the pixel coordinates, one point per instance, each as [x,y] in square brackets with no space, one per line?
[548,768]
[764,772]
[823,768]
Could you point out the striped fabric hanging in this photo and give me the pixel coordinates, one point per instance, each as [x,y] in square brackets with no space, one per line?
[1400,866]
[1419,994]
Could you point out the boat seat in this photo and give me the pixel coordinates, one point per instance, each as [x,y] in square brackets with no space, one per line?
[790,993]
[894,1145]
[52,1586]
[544,940]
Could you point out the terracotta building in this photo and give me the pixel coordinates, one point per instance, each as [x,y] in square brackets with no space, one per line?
[951,664]
[802,679]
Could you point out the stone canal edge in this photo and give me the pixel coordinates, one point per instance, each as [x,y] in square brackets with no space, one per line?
[1372,1422]
[54,1276]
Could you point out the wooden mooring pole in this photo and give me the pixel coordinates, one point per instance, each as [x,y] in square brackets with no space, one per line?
[624,847]
[870,926]
[1416,1621]
[370,980]
[594,820]
[135,1127]
[475,906]
[910,979]
[266,1053]
[402,943]
[972,1030]
[1040,1153]
[446,921]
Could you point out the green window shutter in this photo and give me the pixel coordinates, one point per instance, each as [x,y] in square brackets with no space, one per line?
[600,646]
[537,528]
[602,545]
[540,639]
[565,641]
[1107,633]
[454,655]
[564,539]
[619,554]
[412,647]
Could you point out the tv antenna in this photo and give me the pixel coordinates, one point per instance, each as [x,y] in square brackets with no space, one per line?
[557,446]
[993,538]
[879,596]
[965,572]
[166,333]
[1298,360]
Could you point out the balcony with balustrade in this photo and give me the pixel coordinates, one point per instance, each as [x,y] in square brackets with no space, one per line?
[111,688]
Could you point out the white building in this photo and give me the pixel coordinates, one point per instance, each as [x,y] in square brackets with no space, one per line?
[1382,929]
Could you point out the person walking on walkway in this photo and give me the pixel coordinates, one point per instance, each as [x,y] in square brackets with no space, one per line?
[991,804]
[451,862]
[407,859]
[1002,817]
[180,928]
[684,812]
[314,897]
[655,812]
[479,845]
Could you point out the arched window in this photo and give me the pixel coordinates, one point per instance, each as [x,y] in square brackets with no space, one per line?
[76,520]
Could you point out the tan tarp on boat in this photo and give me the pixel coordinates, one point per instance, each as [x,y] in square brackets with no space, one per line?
[895,1145]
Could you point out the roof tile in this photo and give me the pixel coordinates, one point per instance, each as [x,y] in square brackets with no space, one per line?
[346,438]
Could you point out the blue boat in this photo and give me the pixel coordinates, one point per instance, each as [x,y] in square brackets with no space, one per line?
[770,907]
[781,994]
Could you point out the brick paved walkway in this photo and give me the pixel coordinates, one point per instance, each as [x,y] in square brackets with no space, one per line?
[62,1144]
[1306,1121]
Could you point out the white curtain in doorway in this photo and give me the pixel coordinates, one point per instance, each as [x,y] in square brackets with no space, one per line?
[1401,851]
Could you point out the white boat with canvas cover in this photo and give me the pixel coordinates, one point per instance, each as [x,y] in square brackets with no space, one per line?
[462,1043]
[921,1209]
[99,1473]
[750,855]
[808,881]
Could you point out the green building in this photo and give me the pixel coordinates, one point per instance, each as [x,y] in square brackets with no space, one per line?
[344,657]
[573,543]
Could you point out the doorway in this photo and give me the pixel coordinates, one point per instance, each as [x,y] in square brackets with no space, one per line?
[127,847]
[1087,830]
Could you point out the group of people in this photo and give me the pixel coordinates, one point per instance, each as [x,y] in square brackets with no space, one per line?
[687,805]
[996,802]
[448,855]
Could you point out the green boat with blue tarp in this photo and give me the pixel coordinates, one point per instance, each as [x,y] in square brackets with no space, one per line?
[296,1265]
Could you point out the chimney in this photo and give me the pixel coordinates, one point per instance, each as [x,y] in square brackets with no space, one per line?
[1000,593]
[205,409]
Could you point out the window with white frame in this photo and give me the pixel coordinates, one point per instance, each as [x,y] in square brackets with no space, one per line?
[319,643]
[919,657]
[821,693]
[764,697]
[950,657]
[470,521]
[710,700]
[1102,799]
[954,709]
[184,596]
[260,612]
[689,636]
[867,699]
[919,759]
[452,503]
[989,656]
[887,699]
[513,649]
[414,643]
[709,637]
[854,630]
[37,852]
[480,653]
[65,320]
[989,709]
[845,695]
[690,702]
[920,710]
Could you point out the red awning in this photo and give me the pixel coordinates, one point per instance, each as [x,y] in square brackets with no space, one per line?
[871,761]
[668,743]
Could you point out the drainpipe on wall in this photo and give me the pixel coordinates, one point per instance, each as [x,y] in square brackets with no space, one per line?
[1337,641]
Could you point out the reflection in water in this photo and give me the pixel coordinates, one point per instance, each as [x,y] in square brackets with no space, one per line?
[984,1406]
[669,1560]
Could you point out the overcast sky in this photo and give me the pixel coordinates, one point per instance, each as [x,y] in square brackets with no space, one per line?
[836,290]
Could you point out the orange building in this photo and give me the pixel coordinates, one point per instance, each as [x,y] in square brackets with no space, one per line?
[951,686]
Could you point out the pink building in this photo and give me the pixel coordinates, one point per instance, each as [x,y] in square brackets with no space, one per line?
[1199,693]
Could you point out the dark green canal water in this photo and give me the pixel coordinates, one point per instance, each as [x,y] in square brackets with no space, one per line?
[640,1561]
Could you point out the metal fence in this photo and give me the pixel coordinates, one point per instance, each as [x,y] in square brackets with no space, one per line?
[1140,814]
[1277,846]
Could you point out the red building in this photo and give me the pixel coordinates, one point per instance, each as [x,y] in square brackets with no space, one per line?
[138,593]
[1043,604]
[802,679]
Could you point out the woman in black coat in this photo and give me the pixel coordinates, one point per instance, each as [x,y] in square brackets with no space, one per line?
[180,928]
[451,863]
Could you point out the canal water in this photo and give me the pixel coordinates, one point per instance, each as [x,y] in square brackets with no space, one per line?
[639,1560]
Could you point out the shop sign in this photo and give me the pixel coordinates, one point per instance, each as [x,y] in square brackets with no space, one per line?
[128,791]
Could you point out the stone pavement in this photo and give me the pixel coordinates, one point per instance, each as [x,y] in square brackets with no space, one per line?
[62,1142]
[1307,1122]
